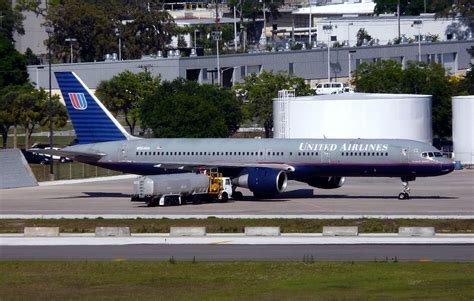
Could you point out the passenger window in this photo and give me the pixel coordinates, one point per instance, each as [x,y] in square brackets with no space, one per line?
[282,153]
[261,153]
[137,153]
[291,153]
[351,154]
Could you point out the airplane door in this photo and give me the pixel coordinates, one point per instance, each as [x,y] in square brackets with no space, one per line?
[326,156]
[123,153]
[404,155]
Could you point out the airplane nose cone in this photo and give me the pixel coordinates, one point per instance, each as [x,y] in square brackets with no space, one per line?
[447,167]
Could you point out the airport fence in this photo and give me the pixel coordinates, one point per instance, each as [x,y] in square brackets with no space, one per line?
[70,171]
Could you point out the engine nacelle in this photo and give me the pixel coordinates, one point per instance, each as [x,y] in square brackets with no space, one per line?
[262,181]
[326,182]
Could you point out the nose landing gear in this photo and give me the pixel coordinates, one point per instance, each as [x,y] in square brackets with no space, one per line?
[405,194]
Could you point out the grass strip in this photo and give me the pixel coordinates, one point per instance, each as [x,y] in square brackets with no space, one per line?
[218,225]
[176,280]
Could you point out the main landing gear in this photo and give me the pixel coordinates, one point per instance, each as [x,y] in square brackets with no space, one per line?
[405,194]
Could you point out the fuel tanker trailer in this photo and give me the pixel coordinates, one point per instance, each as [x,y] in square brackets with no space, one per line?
[179,189]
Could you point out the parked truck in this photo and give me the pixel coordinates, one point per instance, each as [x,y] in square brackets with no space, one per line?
[179,189]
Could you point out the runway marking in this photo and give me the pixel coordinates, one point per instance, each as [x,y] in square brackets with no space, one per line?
[220,242]
[425,260]
[119,259]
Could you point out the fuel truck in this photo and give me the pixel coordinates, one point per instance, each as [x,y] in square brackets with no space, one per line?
[179,189]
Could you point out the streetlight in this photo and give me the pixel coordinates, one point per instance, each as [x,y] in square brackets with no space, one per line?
[350,65]
[310,21]
[328,30]
[71,40]
[418,24]
[216,35]
[117,34]
[263,37]
[49,31]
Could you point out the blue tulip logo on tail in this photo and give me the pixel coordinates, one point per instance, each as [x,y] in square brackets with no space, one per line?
[78,101]
[91,120]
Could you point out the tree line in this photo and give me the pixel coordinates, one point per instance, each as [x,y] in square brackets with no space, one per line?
[21,105]
[187,109]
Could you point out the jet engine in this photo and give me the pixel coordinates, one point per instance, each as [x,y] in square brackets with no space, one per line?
[262,181]
[326,182]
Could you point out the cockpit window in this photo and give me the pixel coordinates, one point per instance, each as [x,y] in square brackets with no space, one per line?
[430,154]
[424,155]
[438,154]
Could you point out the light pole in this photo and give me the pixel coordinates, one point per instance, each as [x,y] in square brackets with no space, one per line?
[117,34]
[216,35]
[71,40]
[263,37]
[348,34]
[418,24]
[328,30]
[350,65]
[235,29]
[49,31]
[310,22]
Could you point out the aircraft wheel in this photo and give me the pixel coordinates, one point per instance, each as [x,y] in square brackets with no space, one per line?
[403,196]
[62,160]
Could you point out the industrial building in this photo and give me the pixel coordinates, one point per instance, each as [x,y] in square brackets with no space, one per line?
[463,129]
[353,115]
[310,64]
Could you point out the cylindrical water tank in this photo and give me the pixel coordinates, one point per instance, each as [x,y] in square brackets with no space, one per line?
[354,115]
[463,129]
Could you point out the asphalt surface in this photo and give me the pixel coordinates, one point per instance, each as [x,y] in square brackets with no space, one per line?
[452,194]
[243,252]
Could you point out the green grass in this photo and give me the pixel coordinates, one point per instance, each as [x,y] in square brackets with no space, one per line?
[164,280]
[217,225]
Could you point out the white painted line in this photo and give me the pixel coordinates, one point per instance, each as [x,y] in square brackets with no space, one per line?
[88,180]
[230,216]
[19,240]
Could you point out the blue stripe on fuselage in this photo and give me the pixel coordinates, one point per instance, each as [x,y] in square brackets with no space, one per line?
[303,171]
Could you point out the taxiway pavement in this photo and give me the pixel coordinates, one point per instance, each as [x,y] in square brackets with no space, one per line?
[451,195]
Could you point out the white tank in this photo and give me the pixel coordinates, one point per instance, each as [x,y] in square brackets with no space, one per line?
[354,115]
[463,129]
[176,184]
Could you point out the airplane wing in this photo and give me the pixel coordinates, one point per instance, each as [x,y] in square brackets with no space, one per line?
[196,165]
[75,155]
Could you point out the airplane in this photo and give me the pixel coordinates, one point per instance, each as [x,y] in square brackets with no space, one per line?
[264,166]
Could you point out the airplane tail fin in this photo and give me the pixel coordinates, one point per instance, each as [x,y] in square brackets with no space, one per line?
[91,120]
